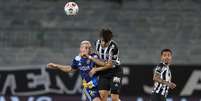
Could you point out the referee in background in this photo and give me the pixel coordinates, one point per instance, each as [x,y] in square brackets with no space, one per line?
[110,73]
[162,77]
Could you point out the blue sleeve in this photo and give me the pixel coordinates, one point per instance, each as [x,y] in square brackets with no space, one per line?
[74,64]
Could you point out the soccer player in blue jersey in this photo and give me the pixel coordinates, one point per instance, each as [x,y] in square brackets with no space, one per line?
[84,65]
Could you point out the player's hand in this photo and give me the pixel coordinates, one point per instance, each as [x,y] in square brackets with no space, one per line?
[52,66]
[172,85]
[93,71]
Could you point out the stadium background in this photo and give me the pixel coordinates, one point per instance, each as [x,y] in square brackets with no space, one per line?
[36,32]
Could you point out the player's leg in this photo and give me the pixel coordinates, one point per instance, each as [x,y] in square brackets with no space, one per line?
[115,88]
[104,94]
[115,97]
[86,92]
[104,87]
[96,99]
[95,94]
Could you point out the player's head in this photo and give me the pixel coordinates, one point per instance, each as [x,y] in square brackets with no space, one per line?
[166,56]
[85,47]
[105,36]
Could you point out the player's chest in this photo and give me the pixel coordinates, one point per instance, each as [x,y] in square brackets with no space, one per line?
[166,74]
[84,65]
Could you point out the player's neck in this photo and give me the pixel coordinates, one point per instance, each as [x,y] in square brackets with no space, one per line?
[105,45]
[167,64]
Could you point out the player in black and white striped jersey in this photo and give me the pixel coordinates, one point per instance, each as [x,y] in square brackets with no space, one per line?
[110,52]
[162,77]
[110,73]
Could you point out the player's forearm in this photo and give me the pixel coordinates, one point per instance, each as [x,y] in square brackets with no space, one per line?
[157,79]
[97,61]
[101,69]
[64,68]
[101,63]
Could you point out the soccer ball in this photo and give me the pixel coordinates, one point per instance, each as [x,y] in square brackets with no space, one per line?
[71,8]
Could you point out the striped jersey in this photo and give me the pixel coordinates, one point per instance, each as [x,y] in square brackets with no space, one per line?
[111,52]
[165,74]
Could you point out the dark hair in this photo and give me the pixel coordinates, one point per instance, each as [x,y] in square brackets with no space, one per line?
[166,50]
[106,34]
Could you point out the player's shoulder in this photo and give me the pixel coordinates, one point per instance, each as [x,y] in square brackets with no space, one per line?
[113,42]
[160,65]
[98,41]
[77,58]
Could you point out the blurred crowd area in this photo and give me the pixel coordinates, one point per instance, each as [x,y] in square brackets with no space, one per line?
[35,32]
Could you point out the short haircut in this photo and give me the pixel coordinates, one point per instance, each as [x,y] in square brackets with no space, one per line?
[106,34]
[166,50]
[86,42]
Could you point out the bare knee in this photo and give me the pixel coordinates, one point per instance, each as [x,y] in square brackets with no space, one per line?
[104,94]
[96,99]
[103,97]
[115,97]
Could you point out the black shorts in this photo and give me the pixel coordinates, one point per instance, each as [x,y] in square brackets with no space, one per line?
[157,97]
[112,83]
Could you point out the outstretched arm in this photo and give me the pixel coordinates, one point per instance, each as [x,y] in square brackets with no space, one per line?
[64,68]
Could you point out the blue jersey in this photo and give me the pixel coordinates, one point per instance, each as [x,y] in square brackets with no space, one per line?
[84,65]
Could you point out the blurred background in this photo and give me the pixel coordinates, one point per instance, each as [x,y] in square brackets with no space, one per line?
[36,32]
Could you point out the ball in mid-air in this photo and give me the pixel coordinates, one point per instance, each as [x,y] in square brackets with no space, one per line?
[71,8]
